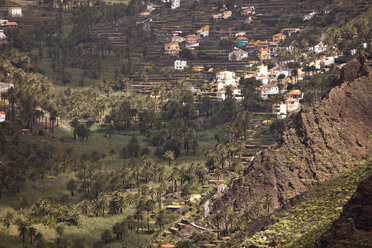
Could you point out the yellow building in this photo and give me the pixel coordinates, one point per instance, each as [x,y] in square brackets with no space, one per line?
[265,54]
[279,37]
[199,68]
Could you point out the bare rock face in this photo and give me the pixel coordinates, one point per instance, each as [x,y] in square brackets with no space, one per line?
[354,227]
[322,140]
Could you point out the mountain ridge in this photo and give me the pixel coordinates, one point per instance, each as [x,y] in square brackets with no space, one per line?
[322,140]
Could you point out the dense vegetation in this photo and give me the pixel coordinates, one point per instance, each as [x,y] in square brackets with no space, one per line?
[97,165]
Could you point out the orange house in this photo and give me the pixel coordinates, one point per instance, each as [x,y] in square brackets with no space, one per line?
[279,37]
[172,48]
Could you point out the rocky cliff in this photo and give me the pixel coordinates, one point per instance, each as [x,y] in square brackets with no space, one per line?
[325,139]
[354,227]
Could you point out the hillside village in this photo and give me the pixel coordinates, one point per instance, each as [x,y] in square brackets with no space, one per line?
[152,113]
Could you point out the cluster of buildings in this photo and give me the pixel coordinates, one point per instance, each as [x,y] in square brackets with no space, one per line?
[270,79]
[223,80]
[222,16]
[290,105]
[249,12]
[309,16]
[243,49]
[174,3]
[189,41]
[12,12]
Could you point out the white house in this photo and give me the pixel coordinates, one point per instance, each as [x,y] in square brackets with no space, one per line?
[15,11]
[194,197]
[309,16]
[268,90]
[221,188]
[175,4]
[238,55]
[178,39]
[224,79]
[180,64]
[151,7]
[2,35]
[240,34]
[204,31]
[236,94]
[292,104]
[319,48]
[284,109]
[327,61]
[2,116]
[280,110]
[3,22]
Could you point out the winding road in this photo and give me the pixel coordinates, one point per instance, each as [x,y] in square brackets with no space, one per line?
[147,22]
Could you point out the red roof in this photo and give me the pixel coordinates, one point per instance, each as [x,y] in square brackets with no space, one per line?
[290,29]
[294,92]
[2,113]
[25,130]
[12,24]
[242,38]
[270,85]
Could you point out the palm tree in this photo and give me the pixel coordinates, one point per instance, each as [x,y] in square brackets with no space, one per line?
[159,193]
[160,219]
[131,198]
[22,229]
[221,151]
[217,219]
[31,232]
[84,206]
[218,173]
[71,186]
[169,155]
[8,218]
[267,203]
[138,215]
[102,202]
[118,229]
[121,203]
[59,230]
[173,178]
[149,206]
[129,221]
[106,236]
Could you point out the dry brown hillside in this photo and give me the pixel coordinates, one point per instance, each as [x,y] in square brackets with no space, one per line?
[322,140]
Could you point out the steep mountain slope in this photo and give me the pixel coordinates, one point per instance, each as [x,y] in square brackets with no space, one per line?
[354,227]
[321,141]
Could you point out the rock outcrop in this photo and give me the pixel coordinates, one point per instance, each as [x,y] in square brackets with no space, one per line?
[325,139]
[354,227]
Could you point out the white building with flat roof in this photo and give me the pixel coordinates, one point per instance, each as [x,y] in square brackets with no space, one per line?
[15,11]
[175,4]
[2,35]
[2,116]
[180,64]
